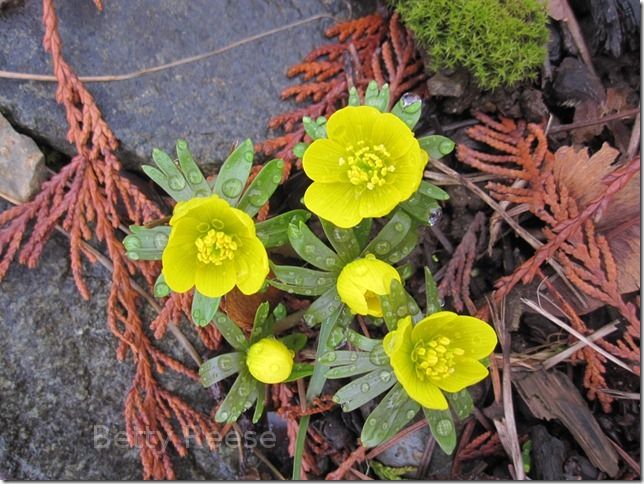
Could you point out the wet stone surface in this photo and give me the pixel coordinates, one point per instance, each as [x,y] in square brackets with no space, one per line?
[63,391]
[211,103]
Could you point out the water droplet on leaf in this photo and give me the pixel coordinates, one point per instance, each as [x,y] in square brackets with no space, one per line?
[232,188]
[434,216]
[176,183]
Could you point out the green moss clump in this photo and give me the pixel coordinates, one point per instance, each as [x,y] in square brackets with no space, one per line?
[500,42]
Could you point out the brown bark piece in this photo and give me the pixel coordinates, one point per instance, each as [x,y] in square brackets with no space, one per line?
[551,395]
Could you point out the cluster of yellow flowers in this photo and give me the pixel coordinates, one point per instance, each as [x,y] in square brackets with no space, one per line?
[368,164]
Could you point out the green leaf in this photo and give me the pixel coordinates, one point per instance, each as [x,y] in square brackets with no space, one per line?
[315,129]
[354,100]
[343,241]
[343,357]
[432,191]
[216,369]
[161,289]
[377,98]
[295,341]
[231,332]
[436,146]
[323,307]
[392,413]
[234,173]
[362,232]
[442,428]
[300,280]
[274,231]
[193,175]
[168,176]
[240,398]
[311,249]
[362,342]
[431,294]
[392,234]
[421,208]
[525,456]
[345,371]
[387,473]
[395,305]
[408,109]
[339,319]
[261,325]
[299,149]
[261,401]
[406,270]
[363,389]
[300,370]
[203,308]
[461,403]
[262,187]
[404,248]
[146,243]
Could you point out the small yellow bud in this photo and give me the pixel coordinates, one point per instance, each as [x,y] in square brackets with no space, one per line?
[269,361]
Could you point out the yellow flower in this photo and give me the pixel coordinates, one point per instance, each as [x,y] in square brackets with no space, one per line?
[213,246]
[269,361]
[361,282]
[369,163]
[440,353]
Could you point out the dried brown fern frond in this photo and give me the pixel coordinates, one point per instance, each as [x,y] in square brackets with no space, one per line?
[371,47]
[90,199]
[456,281]
[590,210]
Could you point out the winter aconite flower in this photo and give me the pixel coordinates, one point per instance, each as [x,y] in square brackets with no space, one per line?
[270,361]
[362,281]
[369,163]
[213,247]
[441,352]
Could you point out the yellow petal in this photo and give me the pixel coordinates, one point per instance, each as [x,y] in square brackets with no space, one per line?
[409,172]
[394,340]
[215,280]
[379,201]
[179,266]
[351,294]
[361,281]
[335,202]
[184,207]
[321,161]
[389,130]
[432,326]
[242,217]
[474,336]
[251,264]
[351,124]
[466,372]
[269,361]
[425,393]
[179,257]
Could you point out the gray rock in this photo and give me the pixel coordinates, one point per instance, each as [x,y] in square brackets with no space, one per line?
[454,85]
[22,164]
[211,103]
[63,391]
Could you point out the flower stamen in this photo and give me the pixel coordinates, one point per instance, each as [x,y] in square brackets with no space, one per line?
[367,165]
[215,247]
[434,359]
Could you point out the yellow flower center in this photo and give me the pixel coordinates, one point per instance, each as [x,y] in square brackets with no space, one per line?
[367,164]
[435,360]
[215,247]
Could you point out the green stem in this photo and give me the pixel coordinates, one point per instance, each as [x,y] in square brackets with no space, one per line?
[315,388]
